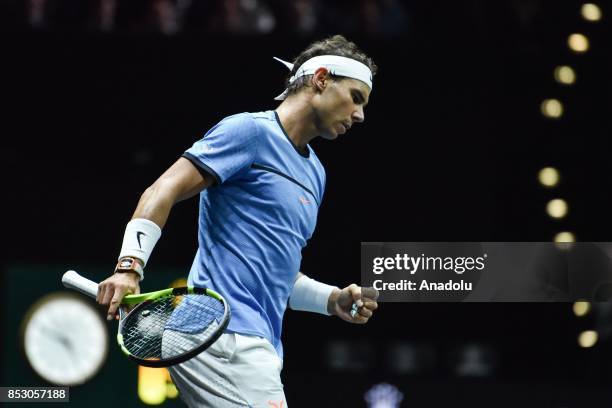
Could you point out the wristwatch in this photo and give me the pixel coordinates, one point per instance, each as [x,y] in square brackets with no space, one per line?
[129,264]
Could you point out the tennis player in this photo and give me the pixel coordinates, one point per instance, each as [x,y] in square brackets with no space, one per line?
[260,186]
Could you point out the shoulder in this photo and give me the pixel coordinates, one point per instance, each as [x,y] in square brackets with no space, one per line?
[257,125]
[241,128]
[240,122]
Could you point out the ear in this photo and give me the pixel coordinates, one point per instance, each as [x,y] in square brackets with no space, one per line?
[320,79]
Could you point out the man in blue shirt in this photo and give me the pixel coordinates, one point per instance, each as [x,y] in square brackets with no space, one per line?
[260,186]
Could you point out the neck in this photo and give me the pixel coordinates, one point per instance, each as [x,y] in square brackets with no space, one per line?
[298,119]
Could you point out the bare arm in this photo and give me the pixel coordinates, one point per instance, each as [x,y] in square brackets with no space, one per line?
[181,181]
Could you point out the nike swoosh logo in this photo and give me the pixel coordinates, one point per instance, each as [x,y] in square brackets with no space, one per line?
[303,200]
[138,234]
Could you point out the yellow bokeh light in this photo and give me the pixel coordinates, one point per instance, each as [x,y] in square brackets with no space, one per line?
[564,237]
[178,283]
[587,338]
[152,385]
[565,75]
[549,177]
[557,208]
[581,308]
[578,42]
[591,12]
[171,390]
[552,108]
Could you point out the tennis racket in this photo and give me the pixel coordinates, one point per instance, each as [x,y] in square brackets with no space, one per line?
[165,327]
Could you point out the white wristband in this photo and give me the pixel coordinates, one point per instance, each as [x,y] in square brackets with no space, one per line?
[139,239]
[310,295]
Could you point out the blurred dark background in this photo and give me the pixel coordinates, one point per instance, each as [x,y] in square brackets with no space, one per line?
[100,97]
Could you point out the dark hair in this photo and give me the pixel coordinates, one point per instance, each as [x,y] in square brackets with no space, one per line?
[335,45]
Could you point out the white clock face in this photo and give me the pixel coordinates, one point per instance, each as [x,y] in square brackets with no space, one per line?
[65,339]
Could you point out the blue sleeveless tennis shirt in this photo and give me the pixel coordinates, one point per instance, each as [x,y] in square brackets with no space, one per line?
[256,219]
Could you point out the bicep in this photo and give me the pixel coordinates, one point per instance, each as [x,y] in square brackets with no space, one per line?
[181,181]
[185,180]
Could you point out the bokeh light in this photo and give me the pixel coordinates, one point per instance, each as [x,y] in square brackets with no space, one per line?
[578,43]
[549,177]
[590,12]
[552,108]
[557,208]
[565,75]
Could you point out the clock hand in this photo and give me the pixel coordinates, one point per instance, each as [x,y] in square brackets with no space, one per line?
[60,337]
[63,340]
[52,332]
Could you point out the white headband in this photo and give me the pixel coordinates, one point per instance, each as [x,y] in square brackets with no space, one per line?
[336,65]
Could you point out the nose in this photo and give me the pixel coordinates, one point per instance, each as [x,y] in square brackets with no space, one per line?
[358,115]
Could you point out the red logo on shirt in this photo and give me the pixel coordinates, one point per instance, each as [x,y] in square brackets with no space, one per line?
[303,200]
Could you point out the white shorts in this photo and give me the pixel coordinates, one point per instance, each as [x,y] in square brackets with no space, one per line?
[236,371]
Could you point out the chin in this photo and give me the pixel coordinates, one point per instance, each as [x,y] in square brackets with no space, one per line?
[331,134]
[328,132]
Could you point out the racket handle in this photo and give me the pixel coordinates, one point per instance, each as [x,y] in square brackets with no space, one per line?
[73,280]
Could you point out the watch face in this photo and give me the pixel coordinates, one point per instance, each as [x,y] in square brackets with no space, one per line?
[65,339]
[126,264]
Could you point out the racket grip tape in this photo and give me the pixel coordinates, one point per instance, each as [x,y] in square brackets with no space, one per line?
[73,280]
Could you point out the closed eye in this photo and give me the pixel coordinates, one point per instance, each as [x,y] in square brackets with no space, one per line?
[358,97]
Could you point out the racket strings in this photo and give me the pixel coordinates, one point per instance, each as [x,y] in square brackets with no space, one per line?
[168,327]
